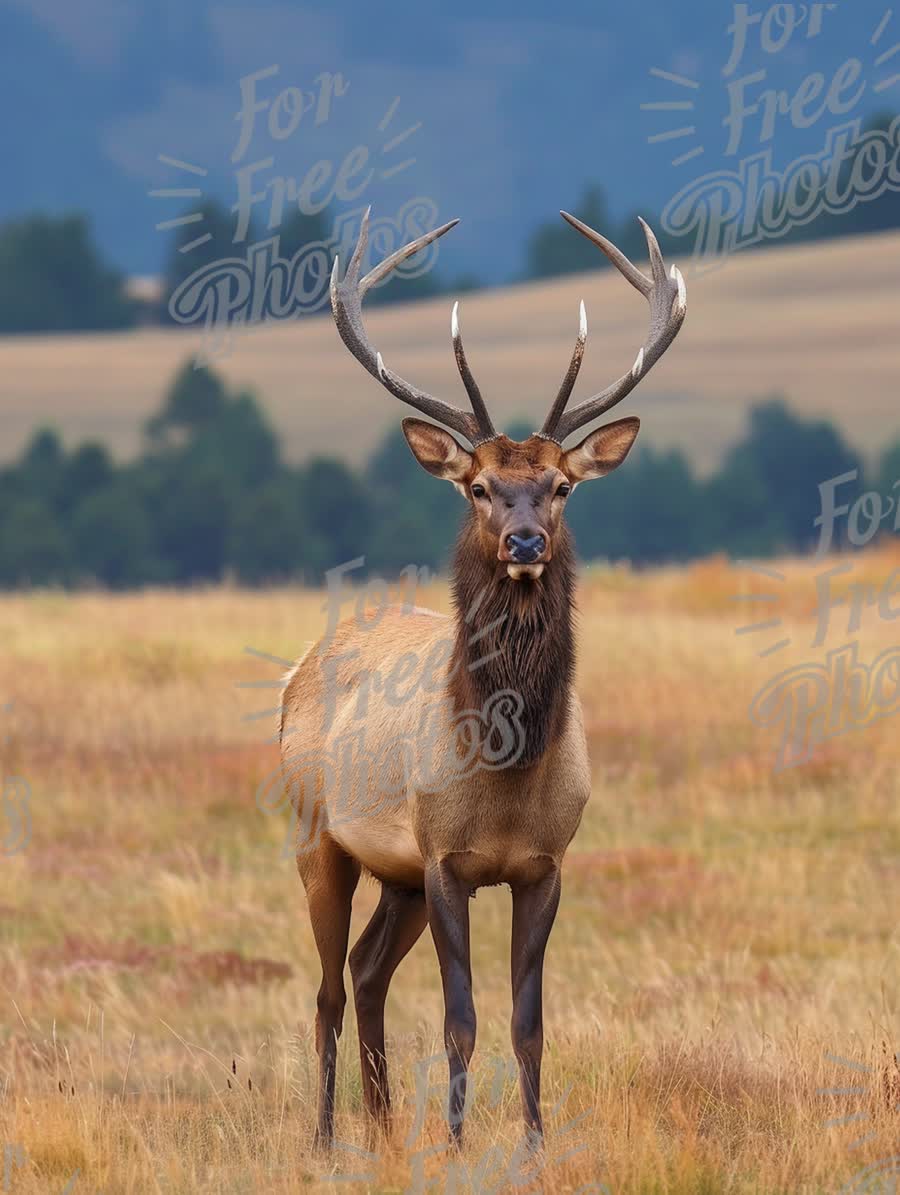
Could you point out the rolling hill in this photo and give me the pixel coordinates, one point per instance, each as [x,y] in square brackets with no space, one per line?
[814,322]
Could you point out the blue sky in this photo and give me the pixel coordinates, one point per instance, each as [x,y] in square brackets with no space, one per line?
[514,108]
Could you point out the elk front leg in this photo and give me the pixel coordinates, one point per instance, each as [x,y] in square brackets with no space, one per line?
[534,910]
[447,899]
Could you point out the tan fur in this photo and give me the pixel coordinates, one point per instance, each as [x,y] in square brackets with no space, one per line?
[506,819]
[443,756]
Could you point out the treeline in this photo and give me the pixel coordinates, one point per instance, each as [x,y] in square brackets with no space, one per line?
[53,277]
[211,497]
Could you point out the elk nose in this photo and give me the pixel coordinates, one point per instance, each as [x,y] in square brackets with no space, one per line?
[525,549]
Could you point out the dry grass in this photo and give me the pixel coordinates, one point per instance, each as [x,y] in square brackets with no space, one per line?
[727,935]
[808,321]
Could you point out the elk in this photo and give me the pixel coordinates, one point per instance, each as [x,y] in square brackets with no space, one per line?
[440,837]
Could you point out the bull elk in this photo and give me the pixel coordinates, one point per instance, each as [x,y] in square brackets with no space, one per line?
[434,843]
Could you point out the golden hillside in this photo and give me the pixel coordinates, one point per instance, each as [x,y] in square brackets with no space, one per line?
[815,322]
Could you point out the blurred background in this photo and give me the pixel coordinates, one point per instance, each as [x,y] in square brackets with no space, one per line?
[175,404]
[186,446]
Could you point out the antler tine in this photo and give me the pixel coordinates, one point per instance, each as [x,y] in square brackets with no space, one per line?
[478,404]
[667,296]
[568,382]
[346,305]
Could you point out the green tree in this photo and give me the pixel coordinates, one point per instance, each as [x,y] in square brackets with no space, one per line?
[270,540]
[41,469]
[415,518]
[33,548]
[189,253]
[629,237]
[791,458]
[193,516]
[336,509]
[89,469]
[665,518]
[889,481]
[196,398]
[599,516]
[650,511]
[743,519]
[298,230]
[555,248]
[869,215]
[399,287]
[214,430]
[240,441]
[53,278]
[209,452]
[889,469]
[113,538]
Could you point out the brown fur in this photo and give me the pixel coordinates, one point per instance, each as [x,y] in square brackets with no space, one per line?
[524,633]
[392,698]
[437,819]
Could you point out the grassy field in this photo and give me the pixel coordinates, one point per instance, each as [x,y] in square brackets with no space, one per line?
[727,944]
[806,321]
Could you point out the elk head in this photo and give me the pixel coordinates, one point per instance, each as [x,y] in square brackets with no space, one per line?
[518,489]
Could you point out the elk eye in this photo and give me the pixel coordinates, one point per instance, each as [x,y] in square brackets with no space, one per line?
[478,491]
[564,490]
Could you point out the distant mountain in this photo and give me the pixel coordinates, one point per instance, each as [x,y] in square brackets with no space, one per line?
[516,113]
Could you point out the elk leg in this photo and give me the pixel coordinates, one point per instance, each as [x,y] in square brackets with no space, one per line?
[447,899]
[394,929]
[534,910]
[330,877]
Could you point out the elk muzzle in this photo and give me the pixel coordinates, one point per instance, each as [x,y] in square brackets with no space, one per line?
[524,552]
[525,549]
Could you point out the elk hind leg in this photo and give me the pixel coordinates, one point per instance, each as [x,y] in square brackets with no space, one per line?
[330,877]
[394,929]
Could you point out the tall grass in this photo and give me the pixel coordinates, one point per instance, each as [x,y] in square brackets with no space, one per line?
[726,952]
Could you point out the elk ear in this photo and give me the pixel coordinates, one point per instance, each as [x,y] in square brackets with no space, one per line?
[602,451]
[436,450]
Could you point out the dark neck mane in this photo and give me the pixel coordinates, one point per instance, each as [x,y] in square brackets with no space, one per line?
[523,632]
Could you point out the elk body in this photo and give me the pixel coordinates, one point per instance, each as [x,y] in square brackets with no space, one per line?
[428,829]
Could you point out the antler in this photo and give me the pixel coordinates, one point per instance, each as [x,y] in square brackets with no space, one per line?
[346,303]
[667,297]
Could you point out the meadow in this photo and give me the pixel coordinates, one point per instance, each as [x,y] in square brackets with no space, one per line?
[721,987]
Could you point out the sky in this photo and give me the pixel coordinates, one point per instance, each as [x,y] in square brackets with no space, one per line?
[498,115]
